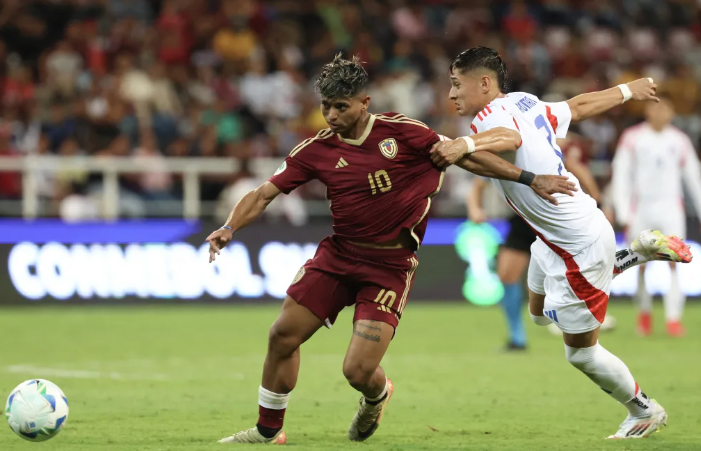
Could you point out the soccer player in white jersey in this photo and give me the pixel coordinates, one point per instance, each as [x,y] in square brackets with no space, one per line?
[652,161]
[573,259]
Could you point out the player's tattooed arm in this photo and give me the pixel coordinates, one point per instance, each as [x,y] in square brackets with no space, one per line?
[587,105]
[247,210]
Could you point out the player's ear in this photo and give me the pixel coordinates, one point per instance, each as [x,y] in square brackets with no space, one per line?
[485,84]
[365,101]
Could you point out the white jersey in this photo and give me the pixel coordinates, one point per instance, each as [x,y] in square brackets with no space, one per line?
[648,170]
[573,224]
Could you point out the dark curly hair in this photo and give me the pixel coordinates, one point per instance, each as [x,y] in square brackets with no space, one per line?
[341,78]
[482,58]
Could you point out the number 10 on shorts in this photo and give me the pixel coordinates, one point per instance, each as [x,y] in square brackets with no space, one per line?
[383,297]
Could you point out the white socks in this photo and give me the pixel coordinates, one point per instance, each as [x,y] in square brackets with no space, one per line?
[270,400]
[674,299]
[626,259]
[611,374]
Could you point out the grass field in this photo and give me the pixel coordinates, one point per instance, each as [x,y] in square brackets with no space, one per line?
[181,378]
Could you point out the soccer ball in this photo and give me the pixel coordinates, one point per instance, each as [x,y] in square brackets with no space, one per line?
[36,410]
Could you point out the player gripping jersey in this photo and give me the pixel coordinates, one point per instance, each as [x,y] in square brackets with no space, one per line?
[573,259]
[380,181]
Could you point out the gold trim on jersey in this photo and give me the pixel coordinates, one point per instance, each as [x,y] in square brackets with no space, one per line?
[407,287]
[428,207]
[401,119]
[323,134]
[363,137]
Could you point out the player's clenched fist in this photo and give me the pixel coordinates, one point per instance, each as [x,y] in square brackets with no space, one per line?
[643,89]
[445,153]
[217,240]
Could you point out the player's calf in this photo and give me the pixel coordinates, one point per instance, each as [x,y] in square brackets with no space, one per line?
[295,325]
[614,378]
[362,370]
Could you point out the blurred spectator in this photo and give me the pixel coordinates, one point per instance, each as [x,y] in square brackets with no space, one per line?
[63,65]
[77,205]
[155,183]
[60,126]
[18,88]
[601,132]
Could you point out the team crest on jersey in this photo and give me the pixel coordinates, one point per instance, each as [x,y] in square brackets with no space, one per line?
[299,275]
[389,148]
[282,167]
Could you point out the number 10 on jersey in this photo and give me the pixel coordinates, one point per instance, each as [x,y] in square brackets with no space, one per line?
[381,181]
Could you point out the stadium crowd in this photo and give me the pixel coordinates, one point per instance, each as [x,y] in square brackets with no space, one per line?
[232,78]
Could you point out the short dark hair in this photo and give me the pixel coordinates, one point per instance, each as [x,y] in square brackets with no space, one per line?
[482,58]
[341,78]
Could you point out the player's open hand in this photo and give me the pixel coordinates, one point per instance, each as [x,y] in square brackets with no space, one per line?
[217,240]
[643,89]
[445,153]
[547,185]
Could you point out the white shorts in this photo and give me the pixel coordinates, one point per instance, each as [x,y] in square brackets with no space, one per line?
[576,287]
[670,221]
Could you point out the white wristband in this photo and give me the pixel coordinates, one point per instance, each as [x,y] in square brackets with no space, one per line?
[470,144]
[625,90]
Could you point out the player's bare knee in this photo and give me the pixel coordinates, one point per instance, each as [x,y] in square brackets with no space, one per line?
[508,276]
[281,341]
[358,374]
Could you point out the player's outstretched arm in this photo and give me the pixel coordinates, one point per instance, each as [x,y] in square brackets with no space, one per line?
[489,165]
[587,105]
[247,210]
[495,140]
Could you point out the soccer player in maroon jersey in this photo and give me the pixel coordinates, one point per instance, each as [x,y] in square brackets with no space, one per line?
[380,181]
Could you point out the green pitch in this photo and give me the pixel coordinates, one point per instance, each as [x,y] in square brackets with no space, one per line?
[182,378]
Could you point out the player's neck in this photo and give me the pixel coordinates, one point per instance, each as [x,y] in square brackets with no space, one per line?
[357,131]
[490,98]
[657,127]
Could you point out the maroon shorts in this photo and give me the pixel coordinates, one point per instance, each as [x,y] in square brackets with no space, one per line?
[377,281]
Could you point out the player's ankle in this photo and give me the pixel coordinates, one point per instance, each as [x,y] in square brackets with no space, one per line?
[373,401]
[267,432]
[376,401]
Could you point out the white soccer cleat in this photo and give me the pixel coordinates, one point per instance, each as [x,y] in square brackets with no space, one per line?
[367,419]
[642,427]
[657,246]
[252,436]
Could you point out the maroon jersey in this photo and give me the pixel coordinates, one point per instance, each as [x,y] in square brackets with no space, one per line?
[378,184]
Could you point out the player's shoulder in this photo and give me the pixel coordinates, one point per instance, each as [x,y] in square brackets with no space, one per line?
[498,107]
[635,130]
[517,95]
[312,142]
[677,133]
[398,121]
